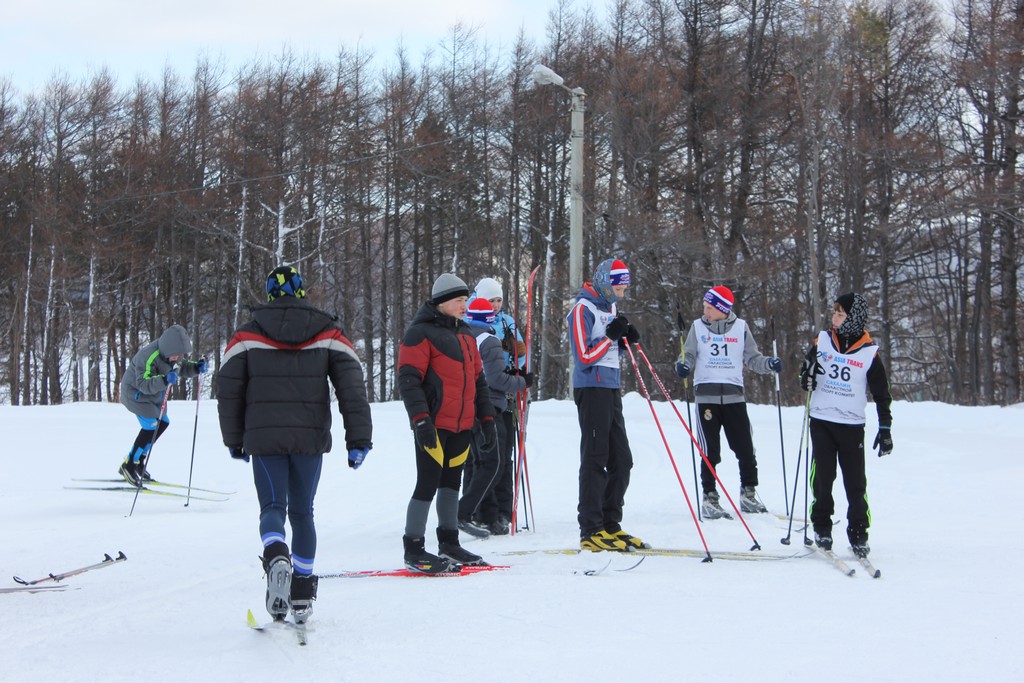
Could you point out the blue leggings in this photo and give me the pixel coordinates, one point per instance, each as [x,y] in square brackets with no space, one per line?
[285,487]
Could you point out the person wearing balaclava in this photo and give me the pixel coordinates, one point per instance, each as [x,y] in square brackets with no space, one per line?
[841,367]
[596,332]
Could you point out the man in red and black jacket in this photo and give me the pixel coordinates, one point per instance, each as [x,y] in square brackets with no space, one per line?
[441,381]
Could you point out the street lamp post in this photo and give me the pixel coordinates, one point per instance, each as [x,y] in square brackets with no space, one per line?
[542,75]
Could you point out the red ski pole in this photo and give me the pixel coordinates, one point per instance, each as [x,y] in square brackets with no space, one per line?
[757,546]
[668,450]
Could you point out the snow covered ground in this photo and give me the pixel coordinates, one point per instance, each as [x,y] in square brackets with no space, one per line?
[945,537]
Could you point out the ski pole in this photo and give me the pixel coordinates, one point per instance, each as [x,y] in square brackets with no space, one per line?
[668,450]
[778,403]
[149,451]
[195,428]
[796,475]
[686,396]
[693,439]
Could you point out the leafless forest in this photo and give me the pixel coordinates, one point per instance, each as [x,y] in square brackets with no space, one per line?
[789,150]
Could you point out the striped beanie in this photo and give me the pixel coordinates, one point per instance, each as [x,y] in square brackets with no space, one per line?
[721,298]
[447,287]
[481,311]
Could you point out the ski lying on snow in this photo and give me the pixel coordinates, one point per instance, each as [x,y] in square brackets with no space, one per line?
[36,589]
[459,570]
[143,489]
[673,552]
[613,559]
[107,562]
[158,483]
[299,630]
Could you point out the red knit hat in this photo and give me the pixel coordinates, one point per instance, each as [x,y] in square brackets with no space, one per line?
[481,310]
[721,298]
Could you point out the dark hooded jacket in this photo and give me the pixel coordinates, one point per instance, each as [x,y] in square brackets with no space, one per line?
[440,373]
[273,396]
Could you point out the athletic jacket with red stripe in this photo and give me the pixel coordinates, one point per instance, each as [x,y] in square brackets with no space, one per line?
[273,395]
[440,373]
[595,356]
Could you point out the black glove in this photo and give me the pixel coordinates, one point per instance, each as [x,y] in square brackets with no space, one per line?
[528,378]
[775,364]
[632,336]
[426,435]
[809,376]
[682,369]
[490,433]
[883,441]
[617,328]
[238,454]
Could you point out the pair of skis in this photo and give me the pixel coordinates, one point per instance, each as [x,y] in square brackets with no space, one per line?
[153,488]
[840,564]
[34,587]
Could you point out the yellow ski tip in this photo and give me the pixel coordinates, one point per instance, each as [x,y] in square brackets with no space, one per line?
[250,619]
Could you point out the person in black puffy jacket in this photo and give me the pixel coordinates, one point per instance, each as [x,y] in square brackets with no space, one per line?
[274,403]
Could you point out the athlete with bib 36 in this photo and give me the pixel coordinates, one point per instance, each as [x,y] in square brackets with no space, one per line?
[841,367]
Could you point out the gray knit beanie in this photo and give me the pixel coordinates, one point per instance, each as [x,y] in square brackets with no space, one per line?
[446,288]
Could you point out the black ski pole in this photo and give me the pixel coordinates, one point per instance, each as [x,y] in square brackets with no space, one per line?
[149,451]
[689,416]
[778,403]
[796,475]
[195,428]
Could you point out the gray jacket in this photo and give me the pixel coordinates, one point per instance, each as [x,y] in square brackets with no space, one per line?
[752,359]
[499,382]
[145,381]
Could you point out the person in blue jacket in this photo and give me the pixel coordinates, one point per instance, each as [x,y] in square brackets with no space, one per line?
[596,332]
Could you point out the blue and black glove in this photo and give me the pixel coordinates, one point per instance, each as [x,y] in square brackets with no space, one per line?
[172,377]
[356,456]
[775,364]
[883,441]
[239,454]
[201,366]
[682,369]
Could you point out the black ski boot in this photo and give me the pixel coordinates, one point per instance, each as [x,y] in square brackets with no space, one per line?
[277,563]
[449,549]
[140,467]
[418,559]
[129,470]
[303,595]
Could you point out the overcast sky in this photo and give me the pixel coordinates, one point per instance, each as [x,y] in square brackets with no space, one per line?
[39,38]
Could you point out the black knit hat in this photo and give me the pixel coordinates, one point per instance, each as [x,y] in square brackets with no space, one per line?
[446,288]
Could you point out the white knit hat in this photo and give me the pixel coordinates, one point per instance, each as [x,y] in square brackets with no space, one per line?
[489,288]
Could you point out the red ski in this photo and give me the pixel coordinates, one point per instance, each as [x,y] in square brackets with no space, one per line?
[522,472]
